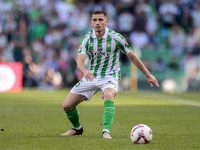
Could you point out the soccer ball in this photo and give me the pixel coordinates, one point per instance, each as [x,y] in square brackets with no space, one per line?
[141,134]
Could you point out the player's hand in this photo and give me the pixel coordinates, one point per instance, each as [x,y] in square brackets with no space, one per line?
[152,80]
[89,75]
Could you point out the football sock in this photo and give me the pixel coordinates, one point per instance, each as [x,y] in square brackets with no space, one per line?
[109,112]
[73,116]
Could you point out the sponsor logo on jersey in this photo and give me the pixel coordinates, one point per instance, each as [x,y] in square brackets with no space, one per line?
[106,54]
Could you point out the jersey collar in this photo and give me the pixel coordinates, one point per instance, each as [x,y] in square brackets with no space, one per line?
[104,36]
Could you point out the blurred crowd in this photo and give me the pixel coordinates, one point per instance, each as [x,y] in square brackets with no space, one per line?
[44,35]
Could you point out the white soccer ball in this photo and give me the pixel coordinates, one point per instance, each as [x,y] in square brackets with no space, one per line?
[141,134]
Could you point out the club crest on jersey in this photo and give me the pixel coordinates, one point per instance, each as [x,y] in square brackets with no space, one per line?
[106,54]
[108,45]
[80,47]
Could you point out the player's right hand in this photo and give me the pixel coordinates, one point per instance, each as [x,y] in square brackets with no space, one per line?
[89,75]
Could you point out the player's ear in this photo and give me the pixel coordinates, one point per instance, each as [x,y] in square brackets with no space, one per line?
[106,21]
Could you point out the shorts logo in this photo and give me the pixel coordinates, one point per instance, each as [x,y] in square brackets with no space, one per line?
[110,82]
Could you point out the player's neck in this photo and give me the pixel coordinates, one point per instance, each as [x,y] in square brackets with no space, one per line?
[100,34]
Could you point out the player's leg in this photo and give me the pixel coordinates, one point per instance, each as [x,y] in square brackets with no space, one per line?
[83,90]
[69,106]
[109,111]
[109,87]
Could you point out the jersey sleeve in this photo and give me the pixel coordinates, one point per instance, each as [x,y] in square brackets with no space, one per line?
[123,45]
[83,47]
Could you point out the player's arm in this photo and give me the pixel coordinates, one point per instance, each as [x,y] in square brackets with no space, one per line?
[81,66]
[138,63]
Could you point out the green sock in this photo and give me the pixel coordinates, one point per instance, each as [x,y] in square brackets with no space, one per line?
[73,116]
[109,113]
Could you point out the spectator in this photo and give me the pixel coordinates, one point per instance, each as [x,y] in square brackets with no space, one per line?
[168,11]
[196,14]
[108,6]
[38,29]
[20,41]
[139,39]
[190,67]
[53,19]
[5,6]
[63,9]
[10,26]
[3,59]
[173,64]
[176,40]
[196,50]
[158,65]
[125,5]
[3,39]
[184,17]
[79,20]
[191,40]
[126,22]
[140,20]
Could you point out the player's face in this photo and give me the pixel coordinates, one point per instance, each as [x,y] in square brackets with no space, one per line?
[99,21]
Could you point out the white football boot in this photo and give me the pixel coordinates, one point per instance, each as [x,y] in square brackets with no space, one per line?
[73,131]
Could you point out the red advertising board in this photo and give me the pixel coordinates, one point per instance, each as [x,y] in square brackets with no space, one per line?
[11,77]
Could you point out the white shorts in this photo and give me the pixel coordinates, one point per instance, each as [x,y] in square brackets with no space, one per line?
[89,88]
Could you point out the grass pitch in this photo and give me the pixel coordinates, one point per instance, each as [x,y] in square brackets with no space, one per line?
[34,120]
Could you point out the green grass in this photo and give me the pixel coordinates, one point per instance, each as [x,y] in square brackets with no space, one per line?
[34,120]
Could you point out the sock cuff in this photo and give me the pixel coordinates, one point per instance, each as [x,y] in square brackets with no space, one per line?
[106,130]
[71,111]
[109,103]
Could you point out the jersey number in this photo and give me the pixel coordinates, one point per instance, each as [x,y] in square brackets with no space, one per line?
[78,83]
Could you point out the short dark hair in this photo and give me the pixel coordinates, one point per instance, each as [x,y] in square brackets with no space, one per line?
[99,12]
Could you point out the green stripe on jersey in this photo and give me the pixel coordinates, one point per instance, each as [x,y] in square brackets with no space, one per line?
[119,75]
[114,56]
[114,74]
[86,47]
[91,49]
[106,62]
[81,42]
[122,47]
[99,47]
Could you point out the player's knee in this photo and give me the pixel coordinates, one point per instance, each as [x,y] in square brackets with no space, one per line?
[108,96]
[67,107]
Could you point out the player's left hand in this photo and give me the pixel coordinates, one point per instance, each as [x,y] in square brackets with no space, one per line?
[152,80]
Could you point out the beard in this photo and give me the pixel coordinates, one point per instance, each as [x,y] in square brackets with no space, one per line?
[99,30]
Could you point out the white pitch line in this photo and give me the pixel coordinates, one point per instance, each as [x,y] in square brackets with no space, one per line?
[168,98]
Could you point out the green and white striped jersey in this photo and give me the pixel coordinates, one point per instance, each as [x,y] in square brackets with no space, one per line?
[104,53]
